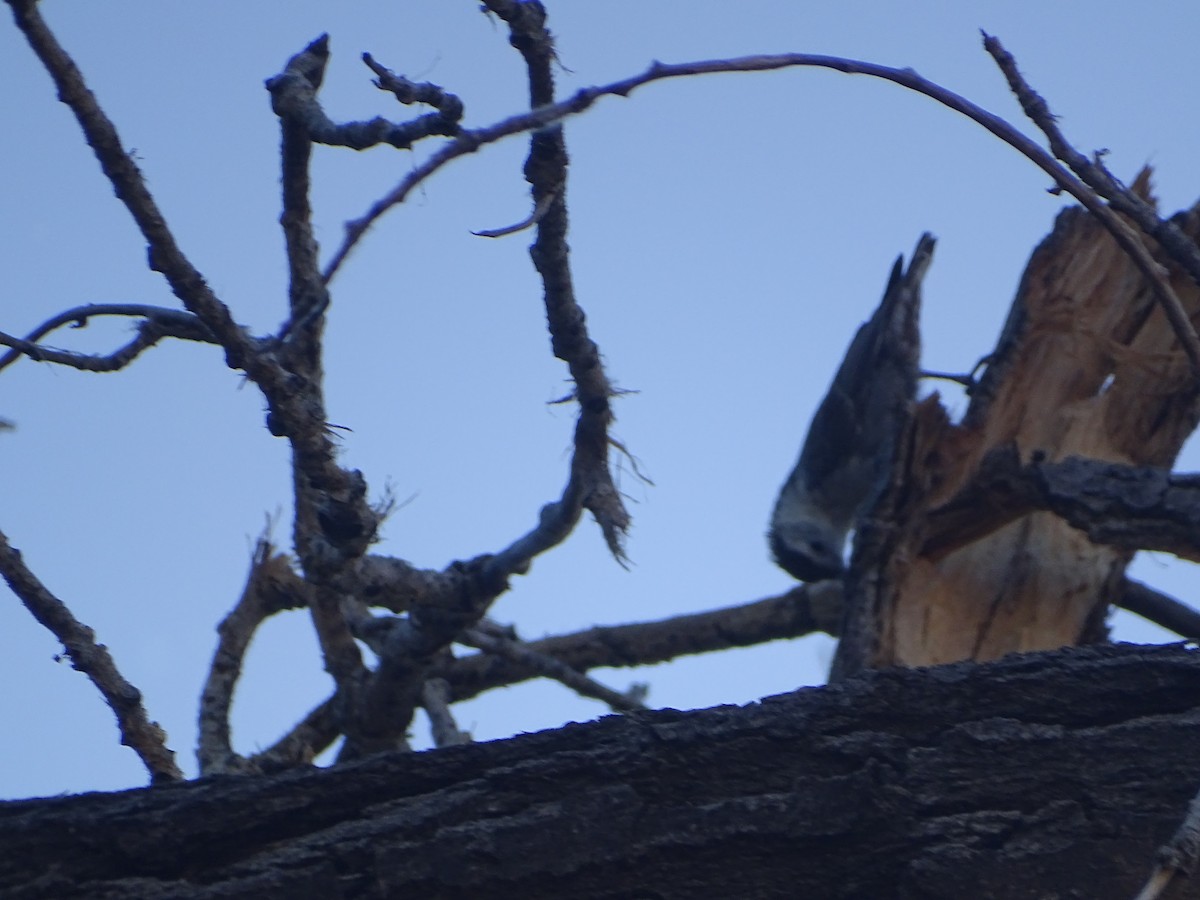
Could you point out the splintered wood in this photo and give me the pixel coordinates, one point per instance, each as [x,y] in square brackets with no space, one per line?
[1087,366]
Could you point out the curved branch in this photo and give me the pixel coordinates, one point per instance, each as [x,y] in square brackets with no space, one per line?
[266,593]
[1181,247]
[1161,609]
[550,114]
[159,323]
[122,172]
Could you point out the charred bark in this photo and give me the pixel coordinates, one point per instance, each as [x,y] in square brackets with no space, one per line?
[1053,774]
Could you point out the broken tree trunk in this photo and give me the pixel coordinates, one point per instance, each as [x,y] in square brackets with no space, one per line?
[953,564]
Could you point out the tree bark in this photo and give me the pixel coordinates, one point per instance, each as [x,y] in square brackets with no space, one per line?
[1043,775]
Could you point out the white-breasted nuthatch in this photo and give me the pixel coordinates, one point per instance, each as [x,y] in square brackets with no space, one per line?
[851,442]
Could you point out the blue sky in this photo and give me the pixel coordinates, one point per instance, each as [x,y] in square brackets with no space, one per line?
[728,235]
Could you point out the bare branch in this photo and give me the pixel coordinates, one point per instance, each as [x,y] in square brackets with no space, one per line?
[449,107]
[159,323]
[803,610]
[265,594]
[294,99]
[1157,607]
[1132,507]
[1179,245]
[144,737]
[549,667]
[528,222]
[119,167]
[313,735]
[435,698]
[541,118]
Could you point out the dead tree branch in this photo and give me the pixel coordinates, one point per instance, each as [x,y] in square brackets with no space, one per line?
[141,735]
[265,594]
[158,323]
[1157,607]
[549,667]
[1182,248]
[1131,507]
[542,117]
[803,610]
[119,167]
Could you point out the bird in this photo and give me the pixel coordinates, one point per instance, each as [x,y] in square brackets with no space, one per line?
[851,442]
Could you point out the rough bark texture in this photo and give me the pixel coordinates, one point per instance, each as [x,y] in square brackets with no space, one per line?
[1087,366]
[1046,775]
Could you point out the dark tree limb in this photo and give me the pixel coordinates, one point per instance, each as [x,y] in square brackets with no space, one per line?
[157,323]
[549,667]
[1096,176]
[544,116]
[142,736]
[1052,774]
[165,256]
[803,610]
[1132,507]
[1094,173]
[1162,610]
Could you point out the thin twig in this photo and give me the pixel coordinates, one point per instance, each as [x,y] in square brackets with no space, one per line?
[545,116]
[801,611]
[549,667]
[159,323]
[144,737]
[1101,180]
[529,221]
[118,164]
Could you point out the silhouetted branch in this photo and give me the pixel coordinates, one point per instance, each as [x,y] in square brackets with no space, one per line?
[803,610]
[145,738]
[1174,241]
[119,167]
[548,667]
[540,118]
[158,323]
[1157,607]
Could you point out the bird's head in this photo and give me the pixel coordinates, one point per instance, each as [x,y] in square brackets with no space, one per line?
[807,550]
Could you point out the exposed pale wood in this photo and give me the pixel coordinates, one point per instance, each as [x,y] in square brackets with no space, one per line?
[1087,366]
